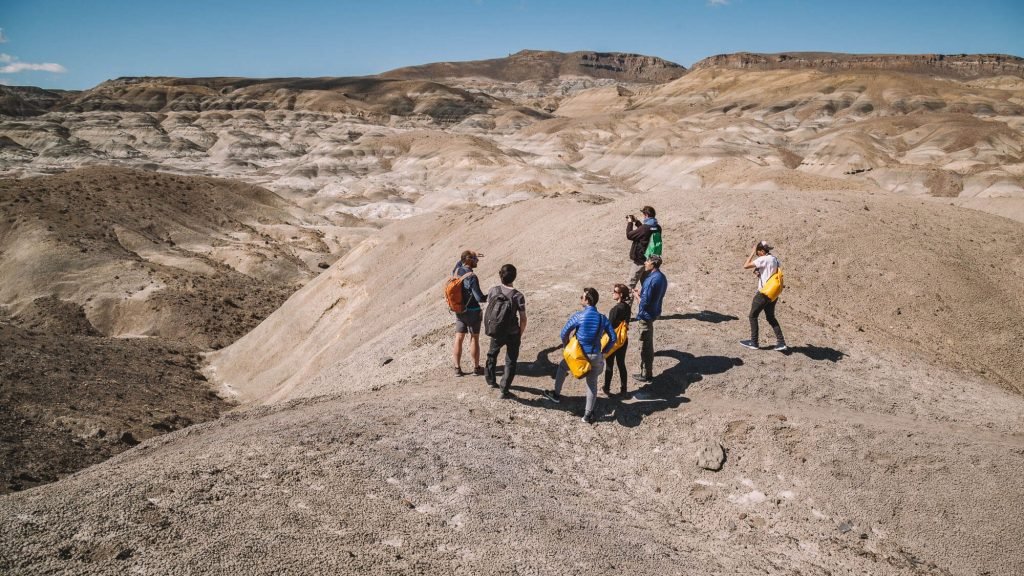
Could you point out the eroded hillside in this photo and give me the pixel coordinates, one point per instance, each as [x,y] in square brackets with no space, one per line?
[372,458]
[301,229]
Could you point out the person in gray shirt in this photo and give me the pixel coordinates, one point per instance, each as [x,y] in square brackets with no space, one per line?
[505,323]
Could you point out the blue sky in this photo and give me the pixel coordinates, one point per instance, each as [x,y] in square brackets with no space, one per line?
[76,44]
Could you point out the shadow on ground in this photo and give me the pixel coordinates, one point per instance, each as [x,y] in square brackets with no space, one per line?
[667,389]
[663,393]
[702,316]
[817,353]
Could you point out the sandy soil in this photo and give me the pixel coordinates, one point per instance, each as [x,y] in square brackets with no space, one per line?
[879,445]
[887,441]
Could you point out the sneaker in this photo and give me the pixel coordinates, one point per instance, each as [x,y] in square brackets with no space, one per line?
[588,418]
[749,344]
[781,347]
[607,391]
[506,395]
[553,396]
[642,395]
[492,384]
[458,372]
[642,378]
[478,371]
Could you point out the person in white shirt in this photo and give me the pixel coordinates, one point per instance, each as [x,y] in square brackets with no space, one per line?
[764,266]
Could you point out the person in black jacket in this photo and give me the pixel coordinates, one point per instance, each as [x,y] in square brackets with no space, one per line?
[640,234]
[617,315]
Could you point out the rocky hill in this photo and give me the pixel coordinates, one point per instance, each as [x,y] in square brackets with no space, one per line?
[956,65]
[29,100]
[545,66]
[155,227]
[372,458]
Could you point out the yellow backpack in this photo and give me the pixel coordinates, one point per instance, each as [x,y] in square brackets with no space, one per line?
[621,333]
[773,286]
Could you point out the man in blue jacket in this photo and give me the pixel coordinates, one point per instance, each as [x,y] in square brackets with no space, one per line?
[651,293]
[589,326]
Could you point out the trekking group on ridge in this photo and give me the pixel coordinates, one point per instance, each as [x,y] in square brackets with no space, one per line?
[592,342]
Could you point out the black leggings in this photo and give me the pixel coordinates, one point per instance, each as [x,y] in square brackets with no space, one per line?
[761,302]
[616,359]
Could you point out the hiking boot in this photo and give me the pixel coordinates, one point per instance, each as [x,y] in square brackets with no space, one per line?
[781,347]
[553,396]
[588,418]
[478,371]
[749,344]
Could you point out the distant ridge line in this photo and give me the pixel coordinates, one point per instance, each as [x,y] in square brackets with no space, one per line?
[545,66]
[958,65]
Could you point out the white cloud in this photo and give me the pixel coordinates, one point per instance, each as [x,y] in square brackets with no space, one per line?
[13,66]
[718,2]
[16,67]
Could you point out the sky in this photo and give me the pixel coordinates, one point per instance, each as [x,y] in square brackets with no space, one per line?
[77,44]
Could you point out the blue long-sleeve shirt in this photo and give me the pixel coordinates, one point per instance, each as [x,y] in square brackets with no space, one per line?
[651,294]
[589,325]
[471,293]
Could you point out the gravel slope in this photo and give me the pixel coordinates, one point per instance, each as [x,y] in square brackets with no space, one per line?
[881,445]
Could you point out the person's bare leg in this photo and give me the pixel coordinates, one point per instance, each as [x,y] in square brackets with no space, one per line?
[457,351]
[474,349]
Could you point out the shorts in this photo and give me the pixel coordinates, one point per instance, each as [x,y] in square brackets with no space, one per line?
[469,321]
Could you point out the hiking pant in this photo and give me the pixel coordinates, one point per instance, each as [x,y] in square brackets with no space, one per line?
[636,275]
[646,328]
[596,367]
[617,359]
[762,302]
[511,343]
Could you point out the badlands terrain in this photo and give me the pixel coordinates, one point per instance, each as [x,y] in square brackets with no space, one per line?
[223,296]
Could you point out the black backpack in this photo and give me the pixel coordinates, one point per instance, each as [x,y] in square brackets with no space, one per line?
[500,318]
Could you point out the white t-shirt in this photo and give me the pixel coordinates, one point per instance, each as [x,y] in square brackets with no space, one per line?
[765,266]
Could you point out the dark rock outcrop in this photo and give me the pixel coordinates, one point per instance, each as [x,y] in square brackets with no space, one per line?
[28,100]
[958,65]
[544,66]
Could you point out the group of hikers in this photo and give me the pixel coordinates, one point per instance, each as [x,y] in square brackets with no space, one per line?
[592,342]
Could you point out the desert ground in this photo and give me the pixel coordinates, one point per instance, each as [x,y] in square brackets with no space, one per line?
[226,348]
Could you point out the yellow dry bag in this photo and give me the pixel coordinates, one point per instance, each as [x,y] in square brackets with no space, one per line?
[621,333]
[773,286]
[577,360]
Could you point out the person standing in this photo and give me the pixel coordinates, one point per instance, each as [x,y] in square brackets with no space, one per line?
[646,238]
[505,323]
[619,313]
[468,321]
[765,265]
[589,326]
[650,295]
